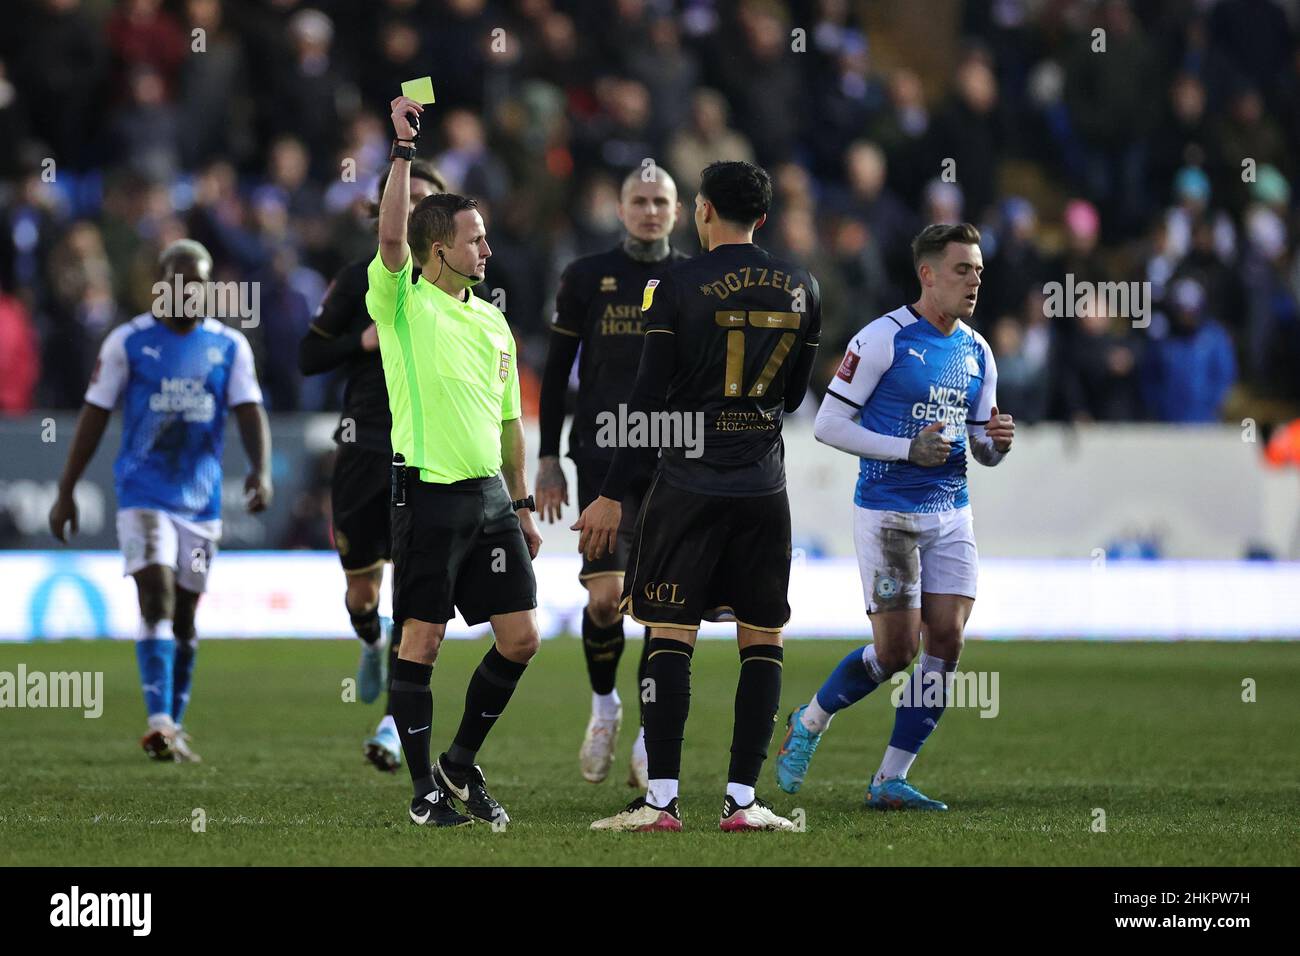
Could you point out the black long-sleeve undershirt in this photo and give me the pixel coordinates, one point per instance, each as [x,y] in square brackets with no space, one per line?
[317,353]
[555,386]
[649,395]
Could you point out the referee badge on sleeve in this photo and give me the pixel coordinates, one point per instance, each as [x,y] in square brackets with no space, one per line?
[504,368]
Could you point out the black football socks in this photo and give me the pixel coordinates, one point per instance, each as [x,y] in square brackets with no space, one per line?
[666,701]
[602,646]
[641,674]
[486,697]
[758,697]
[411,702]
[366,624]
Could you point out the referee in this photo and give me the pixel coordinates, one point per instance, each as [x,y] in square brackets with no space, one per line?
[342,336]
[459,540]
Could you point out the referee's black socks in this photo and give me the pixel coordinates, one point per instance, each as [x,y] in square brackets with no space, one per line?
[602,646]
[758,697]
[666,700]
[485,700]
[411,703]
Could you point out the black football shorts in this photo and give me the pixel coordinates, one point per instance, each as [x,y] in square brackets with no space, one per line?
[359,494]
[591,475]
[459,547]
[698,556]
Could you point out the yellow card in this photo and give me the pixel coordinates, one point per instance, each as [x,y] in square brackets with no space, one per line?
[420,90]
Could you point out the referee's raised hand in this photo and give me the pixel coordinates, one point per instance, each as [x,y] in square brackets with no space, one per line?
[401,125]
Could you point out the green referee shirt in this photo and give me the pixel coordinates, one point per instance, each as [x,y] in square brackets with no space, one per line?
[451,374]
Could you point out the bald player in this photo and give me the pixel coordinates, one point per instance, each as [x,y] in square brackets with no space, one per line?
[598,317]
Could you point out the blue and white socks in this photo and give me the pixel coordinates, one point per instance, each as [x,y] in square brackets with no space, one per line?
[914,720]
[183,676]
[853,678]
[155,651]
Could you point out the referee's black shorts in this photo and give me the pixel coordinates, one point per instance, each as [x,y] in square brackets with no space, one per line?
[359,497]
[709,557]
[591,476]
[459,547]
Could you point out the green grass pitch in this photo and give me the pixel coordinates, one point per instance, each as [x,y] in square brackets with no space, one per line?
[1156,735]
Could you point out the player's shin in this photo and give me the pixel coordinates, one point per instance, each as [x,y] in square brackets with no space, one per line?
[155,654]
[758,696]
[916,716]
[489,691]
[666,696]
[412,706]
[853,678]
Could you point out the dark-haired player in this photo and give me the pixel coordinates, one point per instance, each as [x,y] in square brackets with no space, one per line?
[916,391]
[598,308]
[343,336]
[730,341]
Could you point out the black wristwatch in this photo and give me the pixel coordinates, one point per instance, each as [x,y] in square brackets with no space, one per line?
[402,150]
[520,503]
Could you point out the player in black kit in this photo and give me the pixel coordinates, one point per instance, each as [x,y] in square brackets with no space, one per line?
[730,340]
[598,307]
[342,335]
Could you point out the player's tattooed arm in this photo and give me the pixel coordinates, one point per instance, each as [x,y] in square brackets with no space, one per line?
[930,449]
[551,488]
[990,442]
[90,429]
[255,433]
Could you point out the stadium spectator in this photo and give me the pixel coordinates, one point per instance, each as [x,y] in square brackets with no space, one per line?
[1099,375]
[143,35]
[867,197]
[63,58]
[669,72]
[705,138]
[313,97]
[1022,375]
[1186,374]
[1112,122]
[146,134]
[971,132]
[902,129]
[20,362]
[212,90]
[535,122]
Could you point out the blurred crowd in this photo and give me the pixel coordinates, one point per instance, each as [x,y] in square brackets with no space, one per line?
[259,127]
